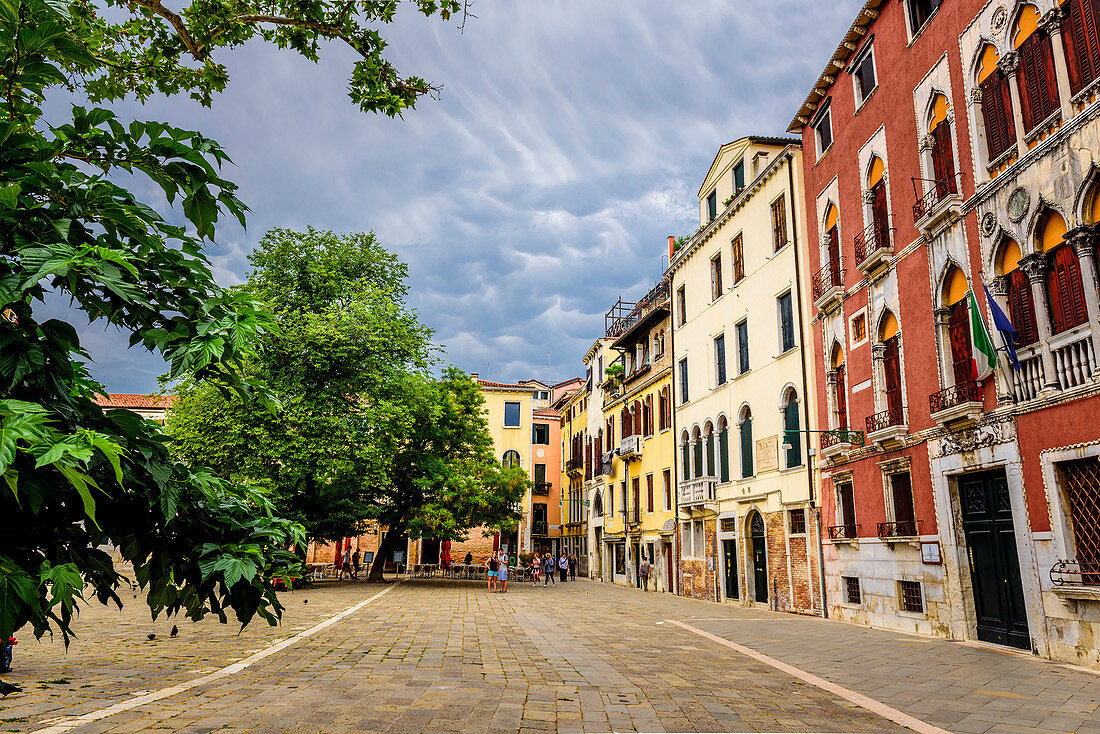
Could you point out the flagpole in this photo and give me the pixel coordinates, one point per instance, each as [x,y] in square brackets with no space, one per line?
[1008,372]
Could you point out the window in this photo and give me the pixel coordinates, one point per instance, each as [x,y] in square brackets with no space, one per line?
[1080,480]
[891,369]
[738,259]
[681,305]
[863,72]
[511,415]
[739,176]
[666,482]
[792,436]
[620,559]
[540,434]
[649,493]
[919,13]
[712,205]
[1067,297]
[1000,130]
[720,358]
[840,398]
[723,450]
[786,322]
[911,598]
[1081,37]
[662,409]
[697,538]
[538,518]
[647,416]
[958,328]
[851,590]
[540,475]
[1021,309]
[683,380]
[823,130]
[685,457]
[746,444]
[727,524]
[901,498]
[779,223]
[859,328]
[600,363]
[743,347]
[685,539]
[511,459]
[796,521]
[1035,73]
[716,278]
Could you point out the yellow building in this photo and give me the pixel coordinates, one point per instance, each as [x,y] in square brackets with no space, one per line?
[748,529]
[636,445]
[576,465]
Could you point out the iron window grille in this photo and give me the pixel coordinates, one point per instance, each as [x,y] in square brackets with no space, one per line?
[911,599]
[852,592]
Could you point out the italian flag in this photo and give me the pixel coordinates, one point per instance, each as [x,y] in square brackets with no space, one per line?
[981,344]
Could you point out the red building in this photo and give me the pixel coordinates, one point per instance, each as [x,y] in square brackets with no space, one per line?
[950,144]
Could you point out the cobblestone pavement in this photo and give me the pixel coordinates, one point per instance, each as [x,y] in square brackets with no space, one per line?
[447,656]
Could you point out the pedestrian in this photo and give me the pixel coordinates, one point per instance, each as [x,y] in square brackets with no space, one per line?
[643,573]
[346,566]
[467,562]
[572,567]
[536,566]
[548,570]
[355,564]
[502,572]
[491,574]
[563,567]
[5,655]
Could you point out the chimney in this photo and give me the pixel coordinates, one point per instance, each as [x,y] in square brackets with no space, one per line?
[671,244]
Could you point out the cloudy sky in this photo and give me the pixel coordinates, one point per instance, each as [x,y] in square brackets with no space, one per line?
[570,140]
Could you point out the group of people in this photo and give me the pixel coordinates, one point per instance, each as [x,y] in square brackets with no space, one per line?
[543,566]
[497,571]
[350,564]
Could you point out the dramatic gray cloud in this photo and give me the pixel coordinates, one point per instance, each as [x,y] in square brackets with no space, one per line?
[570,140]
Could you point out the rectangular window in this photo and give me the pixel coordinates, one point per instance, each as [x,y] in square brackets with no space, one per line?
[739,176]
[511,415]
[859,329]
[540,474]
[685,539]
[681,305]
[901,495]
[779,223]
[823,131]
[911,599]
[649,493]
[1080,480]
[847,506]
[743,347]
[1082,42]
[797,521]
[540,434]
[666,483]
[538,518]
[738,259]
[683,380]
[864,73]
[720,358]
[786,322]
[919,13]
[716,278]
[599,362]
[697,539]
[712,205]
[852,594]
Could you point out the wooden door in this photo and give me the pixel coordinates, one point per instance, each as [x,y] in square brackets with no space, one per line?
[759,558]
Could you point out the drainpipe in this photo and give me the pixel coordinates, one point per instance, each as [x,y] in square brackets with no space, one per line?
[675,581]
[805,393]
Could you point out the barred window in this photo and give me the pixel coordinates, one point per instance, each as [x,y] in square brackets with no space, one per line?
[911,599]
[1081,489]
[797,521]
[728,524]
[851,590]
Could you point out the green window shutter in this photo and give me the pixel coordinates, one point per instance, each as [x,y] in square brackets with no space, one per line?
[746,448]
[687,461]
[791,435]
[710,455]
[698,459]
[724,454]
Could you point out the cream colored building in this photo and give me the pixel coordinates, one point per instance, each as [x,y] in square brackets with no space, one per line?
[747,523]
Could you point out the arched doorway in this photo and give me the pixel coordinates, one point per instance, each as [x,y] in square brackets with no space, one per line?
[758,541]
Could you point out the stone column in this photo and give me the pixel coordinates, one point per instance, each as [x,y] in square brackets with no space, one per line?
[830,398]
[1006,393]
[878,375]
[1052,23]
[1035,268]
[980,144]
[1083,240]
[941,317]
[1008,65]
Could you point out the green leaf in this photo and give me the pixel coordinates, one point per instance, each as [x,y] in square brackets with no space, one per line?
[9,195]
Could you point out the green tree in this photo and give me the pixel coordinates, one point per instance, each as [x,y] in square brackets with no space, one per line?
[345,338]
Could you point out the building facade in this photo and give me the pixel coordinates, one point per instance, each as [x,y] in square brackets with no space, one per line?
[747,529]
[971,508]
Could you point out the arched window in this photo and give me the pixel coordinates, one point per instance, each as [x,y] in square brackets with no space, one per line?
[943,155]
[1081,38]
[890,336]
[1021,306]
[1064,288]
[597,505]
[745,429]
[708,429]
[832,241]
[697,448]
[792,436]
[956,289]
[840,391]
[723,450]
[876,186]
[1038,86]
[685,456]
[1000,131]
[511,459]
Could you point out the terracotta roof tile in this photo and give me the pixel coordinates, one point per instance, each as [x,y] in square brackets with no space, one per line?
[132,400]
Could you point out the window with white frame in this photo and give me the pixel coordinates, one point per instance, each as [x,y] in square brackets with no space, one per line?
[863,73]
[823,130]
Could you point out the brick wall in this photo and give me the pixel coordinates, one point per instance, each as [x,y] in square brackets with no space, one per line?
[696,579]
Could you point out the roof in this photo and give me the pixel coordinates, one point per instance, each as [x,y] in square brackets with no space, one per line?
[132,400]
[567,382]
[503,385]
[867,15]
[546,413]
[742,143]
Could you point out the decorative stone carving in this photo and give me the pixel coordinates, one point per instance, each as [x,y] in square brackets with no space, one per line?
[1000,18]
[1008,63]
[1018,203]
[1083,241]
[868,197]
[1051,22]
[941,316]
[970,439]
[878,351]
[928,142]
[975,95]
[989,224]
[999,286]
[1034,267]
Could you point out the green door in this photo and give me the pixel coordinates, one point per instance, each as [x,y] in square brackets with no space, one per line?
[994,565]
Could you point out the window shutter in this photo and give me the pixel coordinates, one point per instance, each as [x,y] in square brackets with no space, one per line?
[1022,309]
[1038,87]
[698,459]
[791,435]
[724,454]
[1067,296]
[892,368]
[901,487]
[1000,132]
[686,451]
[879,216]
[746,448]
[710,454]
[962,358]
[841,396]
[943,160]
[834,254]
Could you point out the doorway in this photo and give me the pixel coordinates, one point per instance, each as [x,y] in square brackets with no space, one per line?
[759,558]
[729,555]
[994,564]
[429,551]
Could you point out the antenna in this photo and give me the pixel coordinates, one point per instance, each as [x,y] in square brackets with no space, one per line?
[487,365]
[548,383]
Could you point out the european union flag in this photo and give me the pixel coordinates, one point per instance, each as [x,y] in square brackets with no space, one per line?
[1008,331]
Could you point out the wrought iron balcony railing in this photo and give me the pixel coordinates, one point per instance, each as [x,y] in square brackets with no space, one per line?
[1075,572]
[899,529]
[964,392]
[844,532]
[871,241]
[542,488]
[893,416]
[825,279]
[937,192]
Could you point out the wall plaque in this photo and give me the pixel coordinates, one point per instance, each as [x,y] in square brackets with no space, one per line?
[767,454]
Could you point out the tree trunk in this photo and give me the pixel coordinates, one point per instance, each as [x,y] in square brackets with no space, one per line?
[383,551]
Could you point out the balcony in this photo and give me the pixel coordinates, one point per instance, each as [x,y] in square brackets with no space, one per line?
[827,286]
[874,248]
[625,320]
[634,516]
[698,493]
[940,201]
[631,447]
[832,445]
[539,527]
[962,402]
[542,488]
[574,465]
[888,426]
[902,530]
[844,533]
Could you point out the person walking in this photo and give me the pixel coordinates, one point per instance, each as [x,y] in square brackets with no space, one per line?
[643,573]
[502,572]
[345,566]
[572,567]
[467,562]
[355,565]
[536,566]
[491,572]
[563,567]
[548,570]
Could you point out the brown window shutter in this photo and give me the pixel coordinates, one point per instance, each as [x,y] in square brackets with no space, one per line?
[1021,307]
[892,368]
[958,327]
[943,160]
[879,216]
[841,399]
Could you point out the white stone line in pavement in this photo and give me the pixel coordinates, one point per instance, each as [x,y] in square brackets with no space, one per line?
[70,723]
[876,707]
